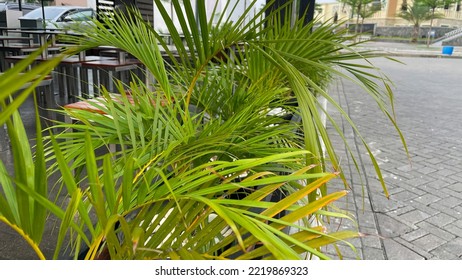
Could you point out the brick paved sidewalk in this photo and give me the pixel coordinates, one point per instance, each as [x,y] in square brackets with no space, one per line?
[423,217]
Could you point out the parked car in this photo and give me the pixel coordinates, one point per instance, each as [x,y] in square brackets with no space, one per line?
[58,17]
[25,7]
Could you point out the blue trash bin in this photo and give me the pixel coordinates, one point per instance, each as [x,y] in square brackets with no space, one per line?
[448,50]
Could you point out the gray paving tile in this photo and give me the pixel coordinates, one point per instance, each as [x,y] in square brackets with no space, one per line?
[437,231]
[441,219]
[373,254]
[454,198]
[405,196]
[391,227]
[401,211]
[436,185]
[453,247]
[427,199]
[414,216]
[415,234]
[424,208]
[397,251]
[441,254]
[442,208]
[423,214]
[457,231]
[372,241]
[429,242]
[456,187]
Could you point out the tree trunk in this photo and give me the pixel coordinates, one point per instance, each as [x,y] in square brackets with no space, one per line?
[357,23]
[415,35]
[431,25]
[361,29]
[357,20]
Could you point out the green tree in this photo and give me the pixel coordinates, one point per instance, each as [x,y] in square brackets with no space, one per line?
[433,5]
[367,11]
[360,9]
[416,14]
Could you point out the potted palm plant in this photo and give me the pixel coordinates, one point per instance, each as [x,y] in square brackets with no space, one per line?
[207,165]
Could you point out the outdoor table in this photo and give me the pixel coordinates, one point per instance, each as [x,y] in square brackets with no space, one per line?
[5,40]
[74,79]
[71,80]
[9,44]
[104,71]
[42,38]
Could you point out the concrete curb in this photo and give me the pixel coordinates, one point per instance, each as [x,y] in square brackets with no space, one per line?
[406,50]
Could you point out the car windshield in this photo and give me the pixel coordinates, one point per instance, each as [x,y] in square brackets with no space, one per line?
[49,13]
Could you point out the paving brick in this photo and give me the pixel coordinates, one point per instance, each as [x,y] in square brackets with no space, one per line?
[400,175]
[441,254]
[344,205]
[419,181]
[437,231]
[416,191]
[448,180]
[414,216]
[397,251]
[444,173]
[406,168]
[400,211]
[372,231]
[405,196]
[426,170]
[440,220]
[372,241]
[436,185]
[423,215]
[458,209]
[416,249]
[383,205]
[424,208]
[436,192]
[457,231]
[390,227]
[415,234]
[429,242]
[373,254]
[458,223]
[444,209]
[454,200]
[435,160]
[456,187]
[454,247]
[427,199]
[366,219]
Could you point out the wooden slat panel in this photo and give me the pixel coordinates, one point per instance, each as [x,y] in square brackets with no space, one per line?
[146,7]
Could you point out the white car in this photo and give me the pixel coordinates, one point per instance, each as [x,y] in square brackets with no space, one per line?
[25,7]
[57,17]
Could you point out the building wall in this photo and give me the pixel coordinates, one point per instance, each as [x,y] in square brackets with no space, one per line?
[83,3]
[329,10]
[387,16]
[406,31]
